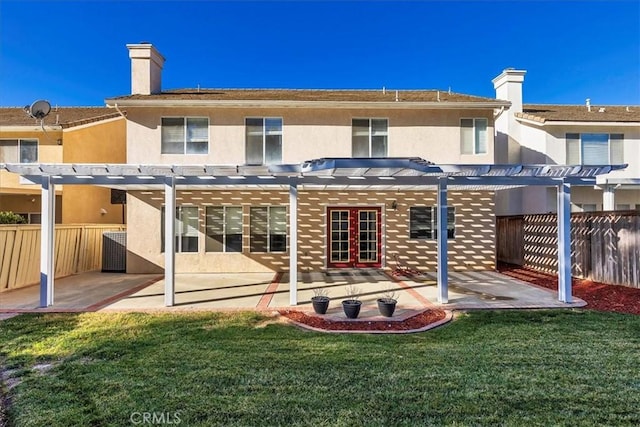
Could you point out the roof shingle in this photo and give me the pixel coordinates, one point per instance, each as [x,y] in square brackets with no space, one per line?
[579,113]
[64,117]
[336,95]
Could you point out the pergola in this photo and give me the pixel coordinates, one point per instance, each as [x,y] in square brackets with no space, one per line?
[326,173]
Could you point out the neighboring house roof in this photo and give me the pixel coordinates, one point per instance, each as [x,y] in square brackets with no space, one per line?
[579,113]
[308,97]
[65,117]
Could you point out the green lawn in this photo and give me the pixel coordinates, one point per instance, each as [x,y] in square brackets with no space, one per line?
[486,368]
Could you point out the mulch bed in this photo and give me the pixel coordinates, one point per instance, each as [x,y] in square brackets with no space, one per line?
[598,296]
[418,321]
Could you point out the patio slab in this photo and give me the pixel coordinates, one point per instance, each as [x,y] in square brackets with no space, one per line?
[81,292]
[203,291]
[486,290]
[270,291]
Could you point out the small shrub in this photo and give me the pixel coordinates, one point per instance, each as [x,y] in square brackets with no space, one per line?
[11,218]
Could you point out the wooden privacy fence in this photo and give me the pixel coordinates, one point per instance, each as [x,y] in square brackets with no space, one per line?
[78,248]
[605,246]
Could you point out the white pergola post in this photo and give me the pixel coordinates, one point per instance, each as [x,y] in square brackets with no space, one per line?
[564,242]
[293,244]
[47,242]
[169,241]
[609,198]
[443,278]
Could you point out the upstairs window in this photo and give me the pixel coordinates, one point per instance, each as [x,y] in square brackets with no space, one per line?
[473,136]
[595,148]
[263,141]
[185,135]
[268,229]
[423,222]
[19,151]
[369,137]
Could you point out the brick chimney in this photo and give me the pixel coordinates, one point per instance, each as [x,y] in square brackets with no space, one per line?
[146,69]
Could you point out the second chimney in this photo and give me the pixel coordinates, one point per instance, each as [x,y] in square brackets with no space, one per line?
[146,69]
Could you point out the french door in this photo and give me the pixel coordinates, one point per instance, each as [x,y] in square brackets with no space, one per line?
[354,237]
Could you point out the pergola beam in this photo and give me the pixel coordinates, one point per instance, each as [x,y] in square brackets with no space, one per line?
[47,242]
[564,243]
[443,265]
[293,245]
[169,241]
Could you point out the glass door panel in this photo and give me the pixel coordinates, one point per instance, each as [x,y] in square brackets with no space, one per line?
[354,237]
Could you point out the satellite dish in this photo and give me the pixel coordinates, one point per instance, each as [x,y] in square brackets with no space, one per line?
[39,109]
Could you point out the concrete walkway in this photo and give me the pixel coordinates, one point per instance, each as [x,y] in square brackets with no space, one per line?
[269,291]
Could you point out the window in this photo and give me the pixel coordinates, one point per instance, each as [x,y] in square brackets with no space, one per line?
[19,151]
[268,229]
[31,217]
[185,135]
[187,222]
[623,207]
[369,137]
[473,136]
[594,148]
[263,141]
[223,225]
[423,222]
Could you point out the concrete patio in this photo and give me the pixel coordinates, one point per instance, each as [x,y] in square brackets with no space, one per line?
[266,291]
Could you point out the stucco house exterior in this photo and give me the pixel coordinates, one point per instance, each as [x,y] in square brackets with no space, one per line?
[66,135]
[562,135]
[245,228]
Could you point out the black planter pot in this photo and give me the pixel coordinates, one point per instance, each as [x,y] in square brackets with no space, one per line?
[387,306]
[320,304]
[351,308]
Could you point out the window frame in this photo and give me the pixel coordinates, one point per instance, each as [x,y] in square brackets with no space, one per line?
[576,137]
[224,243]
[179,229]
[269,235]
[432,230]
[19,142]
[370,136]
[474,142]
[185,140]
[264,139]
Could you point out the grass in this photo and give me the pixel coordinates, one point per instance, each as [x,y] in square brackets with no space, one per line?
[487,368]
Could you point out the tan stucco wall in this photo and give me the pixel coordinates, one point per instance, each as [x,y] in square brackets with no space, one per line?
[48,152]
[103,142]
[32,203]
[308,134]
[473,247]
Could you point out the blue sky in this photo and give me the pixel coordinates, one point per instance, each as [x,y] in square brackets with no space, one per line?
[73,53]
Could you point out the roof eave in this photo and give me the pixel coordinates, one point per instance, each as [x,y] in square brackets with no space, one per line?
[29,128]
[306,104]
[548,122]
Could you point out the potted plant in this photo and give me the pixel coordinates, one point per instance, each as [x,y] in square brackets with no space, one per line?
[320,300]
[352,304]
[387,303]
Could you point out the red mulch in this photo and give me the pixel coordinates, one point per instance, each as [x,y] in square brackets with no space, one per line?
[598,296]
[415,322]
